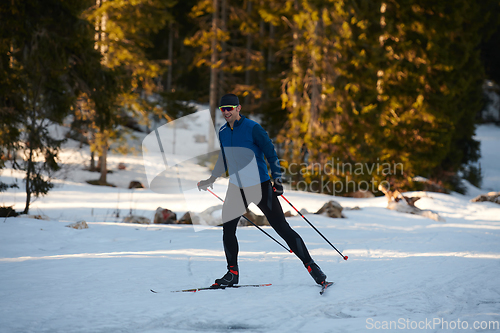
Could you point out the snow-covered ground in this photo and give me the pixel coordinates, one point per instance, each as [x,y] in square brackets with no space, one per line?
[404,272]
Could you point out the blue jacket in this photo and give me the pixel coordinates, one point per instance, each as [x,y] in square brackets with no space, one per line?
[242,163]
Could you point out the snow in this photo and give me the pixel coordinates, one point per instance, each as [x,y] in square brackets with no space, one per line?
[403,271]
[488,135]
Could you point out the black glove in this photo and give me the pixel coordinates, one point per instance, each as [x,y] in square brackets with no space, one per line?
[204,184]
[278,187]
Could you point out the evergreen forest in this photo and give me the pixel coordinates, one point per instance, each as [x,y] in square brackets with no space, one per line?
[352,92]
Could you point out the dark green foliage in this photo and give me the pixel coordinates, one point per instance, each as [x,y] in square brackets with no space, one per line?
[175,105]
[490,43]
[473,174]
[49,60]
[366,84]
[402,87]
[8,212]
[189,80]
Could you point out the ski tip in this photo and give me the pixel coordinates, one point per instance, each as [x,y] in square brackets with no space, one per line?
[153,291]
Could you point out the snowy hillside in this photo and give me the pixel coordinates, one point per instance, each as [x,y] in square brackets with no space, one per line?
[404,272]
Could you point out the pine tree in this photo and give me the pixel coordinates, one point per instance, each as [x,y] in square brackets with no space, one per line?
[10,102]
[327,102]
[47,66]
[378,88]
[237,45]
[123,34]
[433,84]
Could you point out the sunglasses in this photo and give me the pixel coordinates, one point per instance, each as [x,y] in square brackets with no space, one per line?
[228,107]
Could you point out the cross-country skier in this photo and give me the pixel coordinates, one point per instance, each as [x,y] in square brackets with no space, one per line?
[242,141]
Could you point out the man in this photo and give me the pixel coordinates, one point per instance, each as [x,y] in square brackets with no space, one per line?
[244,144]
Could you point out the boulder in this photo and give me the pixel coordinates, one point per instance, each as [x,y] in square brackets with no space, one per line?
[398,202]
[185,219]
[288,214]
[211,216]
[491,196]
[135,184]
[403,207]
[122,166]
[303,211]
[136,219]
[331,209]
[78,225]
[8,212]
[164,216]
[363,194]
[36,217]
[200,138]
[259,220]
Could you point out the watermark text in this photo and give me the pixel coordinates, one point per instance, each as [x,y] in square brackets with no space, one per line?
[431,324]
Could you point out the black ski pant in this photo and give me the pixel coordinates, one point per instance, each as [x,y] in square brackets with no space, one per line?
[271,207]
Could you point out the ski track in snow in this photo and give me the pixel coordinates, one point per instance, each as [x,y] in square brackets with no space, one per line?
[98,280]
[56,279]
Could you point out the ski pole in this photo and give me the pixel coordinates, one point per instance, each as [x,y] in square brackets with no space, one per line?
[246,218]
[345,257]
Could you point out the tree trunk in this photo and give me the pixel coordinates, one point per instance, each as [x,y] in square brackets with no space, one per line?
[170,56]
[104,48]
[92,161]
[270,52]
[31,129]
[213,79]
[315,79]
[223,27]
[269,61]
[295,60]
[28,182]
[104,170]
[261,73]
[247,58]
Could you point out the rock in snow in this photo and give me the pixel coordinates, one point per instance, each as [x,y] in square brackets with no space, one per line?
[259,220]
[210,216]
[363,194]
[398,202]
[185,219]
[491,196]
[136,219]
[164,216]
[403,207]
[135,184]
[78,225]
[331,209]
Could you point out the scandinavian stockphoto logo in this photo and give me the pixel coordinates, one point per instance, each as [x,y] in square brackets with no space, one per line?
[171,152]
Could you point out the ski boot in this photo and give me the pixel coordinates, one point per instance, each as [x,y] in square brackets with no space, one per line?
[231,278]
[316,272]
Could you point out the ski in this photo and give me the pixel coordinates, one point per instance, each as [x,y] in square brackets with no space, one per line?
[324,287]
[193,290]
